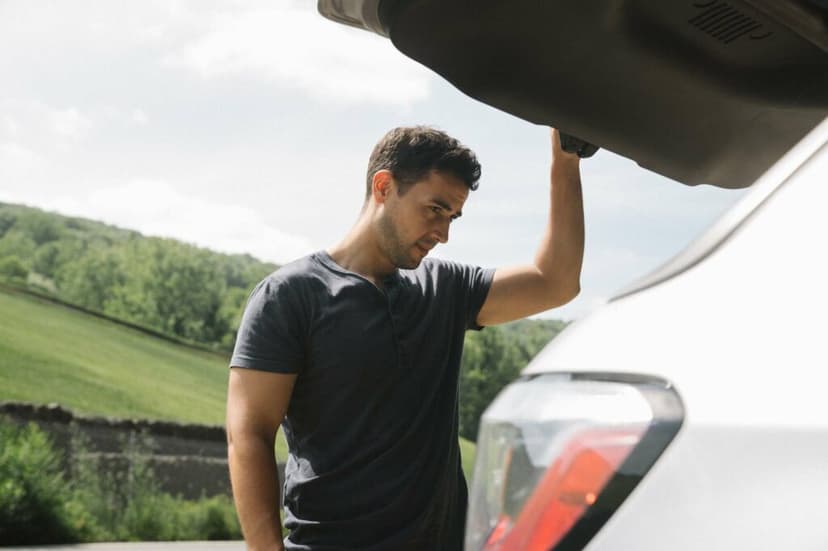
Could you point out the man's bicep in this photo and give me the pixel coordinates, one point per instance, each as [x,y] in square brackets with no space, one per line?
[257,401]
[516,292]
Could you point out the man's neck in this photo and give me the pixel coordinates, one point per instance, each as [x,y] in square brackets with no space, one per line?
[358,252]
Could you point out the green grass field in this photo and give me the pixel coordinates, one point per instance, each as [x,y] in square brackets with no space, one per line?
[50,353]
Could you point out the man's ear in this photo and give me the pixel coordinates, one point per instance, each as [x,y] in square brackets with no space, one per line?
[382,184]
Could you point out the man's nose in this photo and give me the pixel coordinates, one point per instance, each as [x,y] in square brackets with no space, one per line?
[441,233]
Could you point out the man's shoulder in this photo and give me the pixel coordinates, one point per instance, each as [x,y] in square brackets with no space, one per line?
[440,274]
[296,272]
[291,279]
[441,268]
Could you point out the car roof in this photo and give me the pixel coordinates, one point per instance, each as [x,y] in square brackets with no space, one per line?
[703,92]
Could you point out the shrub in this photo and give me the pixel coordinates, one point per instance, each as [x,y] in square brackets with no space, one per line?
[216,519]
[102,503]
[35,505]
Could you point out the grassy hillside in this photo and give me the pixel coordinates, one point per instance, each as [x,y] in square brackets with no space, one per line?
[49,353]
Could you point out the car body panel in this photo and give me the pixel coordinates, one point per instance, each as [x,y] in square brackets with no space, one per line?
[723,487]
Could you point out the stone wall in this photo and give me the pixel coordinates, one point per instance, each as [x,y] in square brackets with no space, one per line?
[188,460]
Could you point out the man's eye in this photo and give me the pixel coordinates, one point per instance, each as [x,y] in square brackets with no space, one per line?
[436,209]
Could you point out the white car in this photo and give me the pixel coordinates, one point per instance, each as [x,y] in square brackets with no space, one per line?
[691,412]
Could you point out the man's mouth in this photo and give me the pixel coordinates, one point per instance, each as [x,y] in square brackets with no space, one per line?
[423,248]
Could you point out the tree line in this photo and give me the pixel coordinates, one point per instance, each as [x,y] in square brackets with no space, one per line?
[172,287]
[199,295]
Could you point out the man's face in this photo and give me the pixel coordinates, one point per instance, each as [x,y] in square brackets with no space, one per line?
[412,224]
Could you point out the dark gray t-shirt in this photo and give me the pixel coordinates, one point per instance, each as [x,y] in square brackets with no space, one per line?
[374,462]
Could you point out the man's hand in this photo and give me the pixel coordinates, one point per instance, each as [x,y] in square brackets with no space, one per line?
[554,277]
[558,153]
[571,144]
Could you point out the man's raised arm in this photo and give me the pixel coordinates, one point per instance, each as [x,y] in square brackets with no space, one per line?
[554,277]
[256,404]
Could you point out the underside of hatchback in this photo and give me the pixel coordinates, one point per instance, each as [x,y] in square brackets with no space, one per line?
[700,91]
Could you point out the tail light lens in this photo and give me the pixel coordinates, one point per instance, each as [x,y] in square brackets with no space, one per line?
[558,453]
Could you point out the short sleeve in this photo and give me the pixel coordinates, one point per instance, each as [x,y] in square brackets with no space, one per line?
[271,335]
[479,282]
[471,287]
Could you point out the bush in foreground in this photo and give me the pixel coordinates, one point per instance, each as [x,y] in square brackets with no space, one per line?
[37,504]
[35,501]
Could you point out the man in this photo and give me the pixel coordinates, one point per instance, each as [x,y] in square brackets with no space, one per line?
[356,351]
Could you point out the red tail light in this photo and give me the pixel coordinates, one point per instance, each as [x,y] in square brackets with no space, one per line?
[549,451]
[568,488]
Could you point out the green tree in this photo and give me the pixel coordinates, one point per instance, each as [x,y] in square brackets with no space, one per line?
[11,267]
[7,219]
[490,361]
[46,258]
[232,309]
[171,286]
[532,335]
[90,279]
[188,291]
[40,226]
[493,358]
[19,244]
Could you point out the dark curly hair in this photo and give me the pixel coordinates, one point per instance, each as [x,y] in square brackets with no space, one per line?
[410,153]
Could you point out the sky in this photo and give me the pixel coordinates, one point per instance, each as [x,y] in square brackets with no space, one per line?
[245,127]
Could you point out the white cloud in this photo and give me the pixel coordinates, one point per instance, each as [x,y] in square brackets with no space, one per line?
[70,123]
[38,125]
[18,164]
[15,153]
[139,117]
[289,43]
[33,129]
[280,41]
[10,127]
[87,26]
[156,208]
